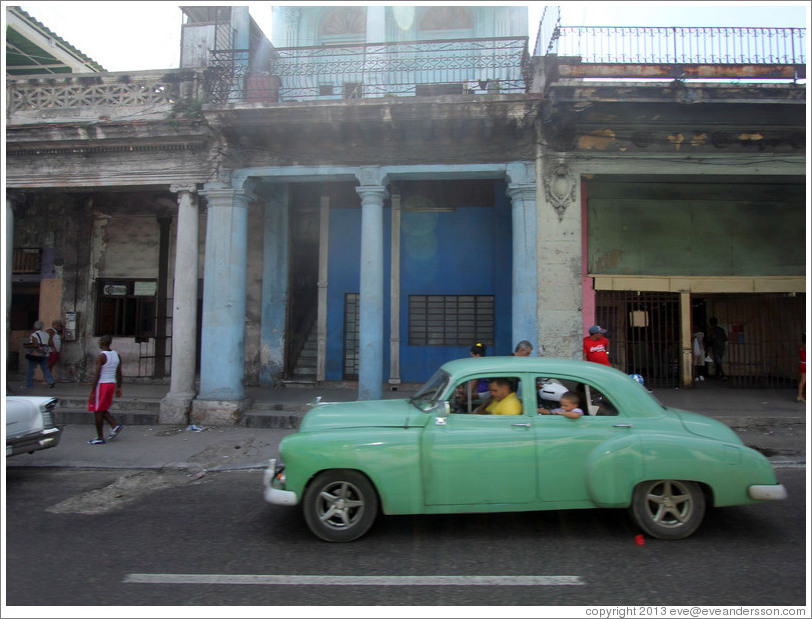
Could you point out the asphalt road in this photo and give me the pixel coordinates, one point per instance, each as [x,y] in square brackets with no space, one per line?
[101,537]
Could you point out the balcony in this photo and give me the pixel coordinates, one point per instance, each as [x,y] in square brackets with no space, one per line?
[91,97]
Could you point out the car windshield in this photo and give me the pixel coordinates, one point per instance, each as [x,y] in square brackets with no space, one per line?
[427,396]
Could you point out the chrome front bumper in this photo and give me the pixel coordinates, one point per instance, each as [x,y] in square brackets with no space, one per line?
[775,492]
[49,437]
[274,492]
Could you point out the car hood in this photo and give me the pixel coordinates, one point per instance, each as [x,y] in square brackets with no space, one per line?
[368,413]
[706,426]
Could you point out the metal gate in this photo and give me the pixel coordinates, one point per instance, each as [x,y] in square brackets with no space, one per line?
[764,333]
[644,331]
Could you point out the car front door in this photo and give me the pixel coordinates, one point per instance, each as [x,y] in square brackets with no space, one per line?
[479,459]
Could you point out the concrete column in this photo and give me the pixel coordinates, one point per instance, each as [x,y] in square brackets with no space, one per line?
[222,364]
[394,295]
[176,404]
[370,362]
[376,24]
[560,281]
[9,267]
[686,339]
[274,287]
[522,193]
[321,318]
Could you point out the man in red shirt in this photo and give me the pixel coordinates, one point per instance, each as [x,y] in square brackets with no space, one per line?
[596,346]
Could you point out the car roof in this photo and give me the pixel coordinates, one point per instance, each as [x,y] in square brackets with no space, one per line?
[610,381]
[539,365]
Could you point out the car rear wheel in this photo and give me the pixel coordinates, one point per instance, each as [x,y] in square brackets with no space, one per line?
[667,508]
[340,505]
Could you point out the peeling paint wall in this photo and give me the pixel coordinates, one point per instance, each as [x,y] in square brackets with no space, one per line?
[701,229]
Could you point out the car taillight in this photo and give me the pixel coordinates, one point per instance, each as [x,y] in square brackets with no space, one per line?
[48,414]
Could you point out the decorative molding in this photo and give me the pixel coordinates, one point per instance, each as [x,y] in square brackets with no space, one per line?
[89,150]
[371,177]
[191,188]
[559,188]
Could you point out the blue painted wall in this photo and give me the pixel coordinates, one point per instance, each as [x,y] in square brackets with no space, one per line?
[467,251]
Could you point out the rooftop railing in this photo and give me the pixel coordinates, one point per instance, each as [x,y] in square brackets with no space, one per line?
[79,97]
[401,69]
[672,45]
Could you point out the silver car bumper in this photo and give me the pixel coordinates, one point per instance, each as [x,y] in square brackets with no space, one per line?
[775,492]
[274,490]
[49,437]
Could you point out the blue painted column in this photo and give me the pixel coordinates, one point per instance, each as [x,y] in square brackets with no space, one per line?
[274,287]
[222,363]
[370,354]
[522,192]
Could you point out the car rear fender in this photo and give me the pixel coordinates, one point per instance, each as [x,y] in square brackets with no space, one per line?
[725,470]
[613,469]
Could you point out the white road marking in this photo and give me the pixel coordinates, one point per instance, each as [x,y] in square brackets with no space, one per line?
[378,581]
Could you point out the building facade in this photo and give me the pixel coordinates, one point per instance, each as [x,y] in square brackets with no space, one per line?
[375,189]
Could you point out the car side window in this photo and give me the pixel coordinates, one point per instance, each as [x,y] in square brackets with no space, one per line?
[501,397]
[590,400]
[599,404]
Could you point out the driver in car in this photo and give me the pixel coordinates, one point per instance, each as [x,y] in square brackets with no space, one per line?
[502,401]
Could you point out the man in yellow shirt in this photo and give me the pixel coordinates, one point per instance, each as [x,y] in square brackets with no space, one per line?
[503,400]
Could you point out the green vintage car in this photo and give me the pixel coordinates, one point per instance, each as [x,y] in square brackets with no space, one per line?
[436,454]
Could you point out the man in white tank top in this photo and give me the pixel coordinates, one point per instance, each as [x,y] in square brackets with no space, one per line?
[107,381]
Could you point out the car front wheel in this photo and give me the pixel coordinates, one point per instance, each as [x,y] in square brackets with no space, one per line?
[668,509]
[340,505]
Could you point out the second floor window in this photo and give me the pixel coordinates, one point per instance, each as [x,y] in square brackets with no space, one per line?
[438,19]
[343,25]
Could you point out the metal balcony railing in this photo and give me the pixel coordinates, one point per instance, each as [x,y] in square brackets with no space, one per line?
[402,69]
[670,45]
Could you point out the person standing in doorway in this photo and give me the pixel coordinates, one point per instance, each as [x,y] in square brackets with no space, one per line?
[36,352]
[802,379]
[717,338]
[107,381]
[596,346]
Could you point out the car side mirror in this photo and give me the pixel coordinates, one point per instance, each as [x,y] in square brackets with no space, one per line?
[443,409]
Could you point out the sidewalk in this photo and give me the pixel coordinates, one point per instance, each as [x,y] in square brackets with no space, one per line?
[767,419]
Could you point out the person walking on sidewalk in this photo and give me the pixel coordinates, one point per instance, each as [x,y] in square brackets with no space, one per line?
[55,332]
[36,352]
[107,381]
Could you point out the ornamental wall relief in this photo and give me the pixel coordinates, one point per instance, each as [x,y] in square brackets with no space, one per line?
[559,188]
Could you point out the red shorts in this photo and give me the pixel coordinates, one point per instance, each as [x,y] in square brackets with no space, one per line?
[102,397]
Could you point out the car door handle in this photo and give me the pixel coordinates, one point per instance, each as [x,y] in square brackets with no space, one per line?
[521,425]
[622,425]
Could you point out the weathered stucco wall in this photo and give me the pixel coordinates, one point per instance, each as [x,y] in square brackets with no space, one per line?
[698,229]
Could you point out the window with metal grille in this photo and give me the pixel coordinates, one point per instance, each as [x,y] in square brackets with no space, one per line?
[26,260]
[451,320]
[126,307]
[351,338]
